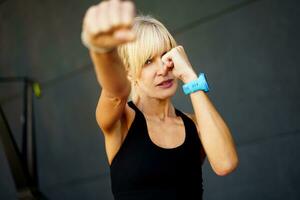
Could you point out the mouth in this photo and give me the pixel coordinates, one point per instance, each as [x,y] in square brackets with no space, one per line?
[165,84]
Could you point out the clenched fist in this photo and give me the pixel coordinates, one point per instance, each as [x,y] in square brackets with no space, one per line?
[177,60]
[108,24]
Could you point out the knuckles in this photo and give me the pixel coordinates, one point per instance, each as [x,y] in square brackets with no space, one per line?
[102,23]
[114,14]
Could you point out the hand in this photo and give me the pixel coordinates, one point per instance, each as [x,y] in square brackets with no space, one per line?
[108,24]
[177,60]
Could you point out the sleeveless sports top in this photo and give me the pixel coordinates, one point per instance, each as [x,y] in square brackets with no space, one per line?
[141,170]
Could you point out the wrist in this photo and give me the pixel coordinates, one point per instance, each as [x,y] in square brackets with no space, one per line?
[196,85]
[100,50]
[186,78]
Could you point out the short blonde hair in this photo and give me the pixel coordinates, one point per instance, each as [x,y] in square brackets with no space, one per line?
[152,37]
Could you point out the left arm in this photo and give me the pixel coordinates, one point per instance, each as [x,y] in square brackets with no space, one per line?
[213,132]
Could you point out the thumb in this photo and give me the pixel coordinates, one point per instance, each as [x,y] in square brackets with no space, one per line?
[167,61]
[167,66]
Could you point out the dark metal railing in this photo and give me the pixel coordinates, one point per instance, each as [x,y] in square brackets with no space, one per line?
[23,164]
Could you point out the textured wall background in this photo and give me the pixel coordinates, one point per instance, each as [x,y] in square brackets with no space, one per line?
[249,50]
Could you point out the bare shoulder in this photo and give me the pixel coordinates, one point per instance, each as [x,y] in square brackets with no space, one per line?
[123,125]
[115,138]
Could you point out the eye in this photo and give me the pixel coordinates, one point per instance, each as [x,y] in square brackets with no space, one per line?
[148,62]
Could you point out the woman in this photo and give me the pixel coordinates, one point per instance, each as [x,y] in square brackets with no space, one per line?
[154,150]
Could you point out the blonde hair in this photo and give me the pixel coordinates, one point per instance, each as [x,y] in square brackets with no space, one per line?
[152,37]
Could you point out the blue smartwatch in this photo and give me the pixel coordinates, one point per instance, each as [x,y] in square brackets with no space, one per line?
[196,85]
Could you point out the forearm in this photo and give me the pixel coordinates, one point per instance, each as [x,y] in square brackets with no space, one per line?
[213,132]
[214,135]
[110,72]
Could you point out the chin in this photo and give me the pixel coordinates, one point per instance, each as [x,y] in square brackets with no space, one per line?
[168,93]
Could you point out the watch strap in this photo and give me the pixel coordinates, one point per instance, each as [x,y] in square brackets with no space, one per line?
[199,84]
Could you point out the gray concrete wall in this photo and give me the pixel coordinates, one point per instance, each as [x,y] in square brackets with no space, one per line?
[248,49]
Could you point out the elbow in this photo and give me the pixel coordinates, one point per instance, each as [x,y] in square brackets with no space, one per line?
[227,167]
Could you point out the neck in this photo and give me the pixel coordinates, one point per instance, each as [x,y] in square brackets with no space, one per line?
[152,108]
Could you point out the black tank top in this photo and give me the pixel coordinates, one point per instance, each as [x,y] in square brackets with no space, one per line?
[141,170]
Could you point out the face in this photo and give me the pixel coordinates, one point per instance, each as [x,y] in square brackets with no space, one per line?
[155,81]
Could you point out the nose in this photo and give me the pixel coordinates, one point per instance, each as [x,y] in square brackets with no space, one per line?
[163,69]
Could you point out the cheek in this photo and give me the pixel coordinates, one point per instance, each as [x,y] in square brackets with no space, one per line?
[149,70]
[147,76]
[146,84]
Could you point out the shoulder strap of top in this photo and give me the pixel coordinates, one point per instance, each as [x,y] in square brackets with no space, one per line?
[138,114]
[138,127]
[184,116]
[133,106]
[193,137]
[189,122]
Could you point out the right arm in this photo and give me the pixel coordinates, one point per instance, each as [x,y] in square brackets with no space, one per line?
[108,25]
[115,90]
